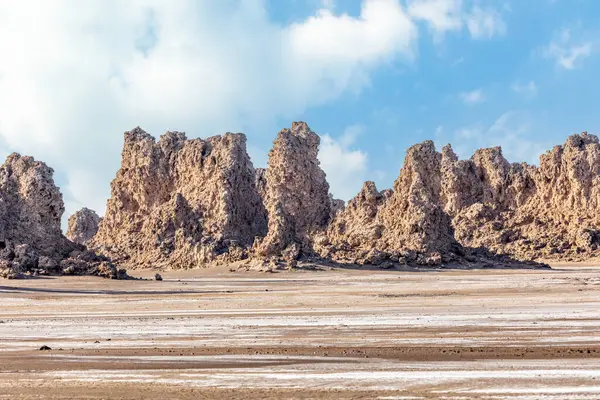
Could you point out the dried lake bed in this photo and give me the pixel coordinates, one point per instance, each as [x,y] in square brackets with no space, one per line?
[457,334]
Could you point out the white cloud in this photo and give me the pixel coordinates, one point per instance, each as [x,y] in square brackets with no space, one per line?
[77,74]
[512,131]
[485,23]
[528,89]
[567,52]
[453,15]
[345,167]
[472,97]
[441,15]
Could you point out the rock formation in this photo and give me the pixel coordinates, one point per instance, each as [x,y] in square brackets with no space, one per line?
[355,230]
[83,225]
[413,217]
[406,225]
[447,209]
[296,193]
[181,203]
[547,212]
[31,241]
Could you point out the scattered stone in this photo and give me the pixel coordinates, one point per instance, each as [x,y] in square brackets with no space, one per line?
[158,277]
[45,348]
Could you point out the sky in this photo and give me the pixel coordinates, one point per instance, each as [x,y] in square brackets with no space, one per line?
[372,77]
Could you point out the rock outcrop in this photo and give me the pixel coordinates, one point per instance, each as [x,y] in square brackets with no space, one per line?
[31,241]
[83,225]
[353,232]
[406,225]
[448,210]
[296,193]
[181,203]
[412,217]
[548,212]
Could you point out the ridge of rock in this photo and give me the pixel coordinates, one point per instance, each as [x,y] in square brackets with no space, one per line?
[547,212]
[403,225]
[181,203]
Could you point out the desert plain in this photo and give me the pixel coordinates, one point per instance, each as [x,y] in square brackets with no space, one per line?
[325,333]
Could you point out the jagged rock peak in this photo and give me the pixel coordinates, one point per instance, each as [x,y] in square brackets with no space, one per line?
[181,203]
[579,140]
[545,212]
[296,193]
[336,206]
[83,226]
[32,202]
[137,134]
[413,217]
[31,241]
[355,230]
[448,153]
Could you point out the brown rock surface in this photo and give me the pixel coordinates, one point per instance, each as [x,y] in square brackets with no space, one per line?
[545,212]
[357,228]
[83,225]
[31,241]
[406,225]
[181,203]
[412,217]
[484,203]
[296,193]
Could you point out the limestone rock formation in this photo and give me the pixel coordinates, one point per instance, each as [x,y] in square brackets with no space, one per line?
[405,225]
[83,225]
[296,193]
[356,229]
[413,217]
[181,203]
[31,241]
[546,212]
[336,206]
[444,209]
[413,223]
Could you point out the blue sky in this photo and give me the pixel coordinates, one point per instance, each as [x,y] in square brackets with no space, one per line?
[542,100]
[371,76]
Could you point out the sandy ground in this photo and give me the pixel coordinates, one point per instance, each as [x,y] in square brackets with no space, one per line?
[305,334]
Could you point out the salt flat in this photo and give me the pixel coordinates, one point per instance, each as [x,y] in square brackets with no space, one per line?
[305,334]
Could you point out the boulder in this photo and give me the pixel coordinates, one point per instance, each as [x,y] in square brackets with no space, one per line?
[83,226]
